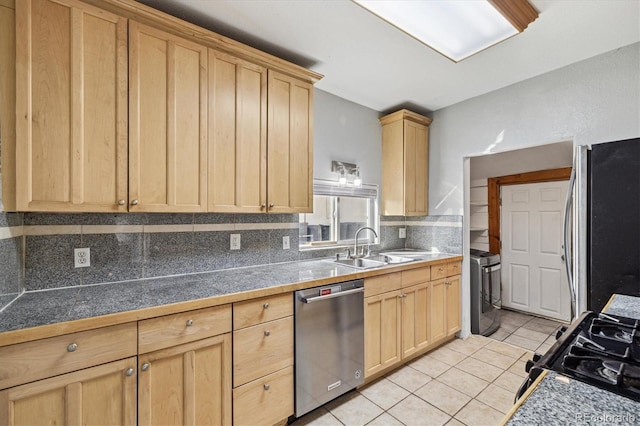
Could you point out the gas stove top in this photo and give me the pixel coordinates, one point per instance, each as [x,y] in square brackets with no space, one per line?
[598,349]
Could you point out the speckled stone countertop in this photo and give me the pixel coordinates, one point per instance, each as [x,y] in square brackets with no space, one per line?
[41,308]
[560,400]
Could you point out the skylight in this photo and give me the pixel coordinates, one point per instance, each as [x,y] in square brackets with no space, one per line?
[457,29]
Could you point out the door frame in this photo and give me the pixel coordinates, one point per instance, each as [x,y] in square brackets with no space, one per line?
[493,190]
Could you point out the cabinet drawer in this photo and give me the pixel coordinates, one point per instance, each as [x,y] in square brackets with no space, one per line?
[416,276]
[252,312]
[454,268]
[438,271]
[264,401]
[262,349]
[172,330]
[382,284]
[26,362]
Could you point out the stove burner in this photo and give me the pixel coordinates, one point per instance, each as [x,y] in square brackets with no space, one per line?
[630,374]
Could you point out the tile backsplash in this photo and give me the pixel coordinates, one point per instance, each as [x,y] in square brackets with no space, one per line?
[36,249]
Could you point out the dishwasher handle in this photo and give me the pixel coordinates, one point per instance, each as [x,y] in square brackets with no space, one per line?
[332,295]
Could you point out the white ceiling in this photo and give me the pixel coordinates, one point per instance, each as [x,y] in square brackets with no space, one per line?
[367,61]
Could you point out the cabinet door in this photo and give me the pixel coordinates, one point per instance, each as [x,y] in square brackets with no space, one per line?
[289,145]
[453,305]
[99,395]
[237,135]
[382,325]
[438,310]
[71,87]
[167,116]
[416,322]
[188,384]
[416,160]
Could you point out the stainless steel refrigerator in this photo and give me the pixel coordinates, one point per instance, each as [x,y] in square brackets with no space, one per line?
[605,242]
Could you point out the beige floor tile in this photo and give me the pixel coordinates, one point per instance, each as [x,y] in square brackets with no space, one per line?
[508,326]
[480,369]
[506,349]
[547,322]
[454,422]
[515,317]
[413,411]
[447,356]
[443,397]
[518,369]
[409,378]
[531,335]
[496,397]
[500,334]
[522,342]
[551,339]
[462,381]
[494,358]
[477,413]
[468,345]
[385,419]
[354,409]
[542,328]
[318,417]
[384,393]
[543,348]
[430,366]
[527,356]
[510,381]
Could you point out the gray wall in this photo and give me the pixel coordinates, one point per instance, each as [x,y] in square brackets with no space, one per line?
[592,101]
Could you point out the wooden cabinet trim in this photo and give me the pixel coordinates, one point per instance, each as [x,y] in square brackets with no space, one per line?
[253,312]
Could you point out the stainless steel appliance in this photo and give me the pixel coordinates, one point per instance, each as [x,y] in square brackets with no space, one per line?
[486,292]
[605,247]
[598,349]
[329,343]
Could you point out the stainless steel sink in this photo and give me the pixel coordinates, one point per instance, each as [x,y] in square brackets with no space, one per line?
[375,261]
[362,263]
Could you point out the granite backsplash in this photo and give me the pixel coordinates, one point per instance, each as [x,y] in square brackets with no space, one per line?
[36,249]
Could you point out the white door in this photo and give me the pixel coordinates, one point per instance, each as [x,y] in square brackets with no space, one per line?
[533,271]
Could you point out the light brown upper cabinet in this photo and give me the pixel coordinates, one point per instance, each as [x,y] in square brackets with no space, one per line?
[237,135]
[71,103]
[167,122]
[405,164]
[289,145]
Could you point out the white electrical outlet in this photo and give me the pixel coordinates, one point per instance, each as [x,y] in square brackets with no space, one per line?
[82,257]
[402,233]
[285,243]
[235,242]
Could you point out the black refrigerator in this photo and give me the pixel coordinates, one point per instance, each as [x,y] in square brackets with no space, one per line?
[612,221]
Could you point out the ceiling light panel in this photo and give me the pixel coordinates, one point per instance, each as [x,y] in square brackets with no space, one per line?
[457,29]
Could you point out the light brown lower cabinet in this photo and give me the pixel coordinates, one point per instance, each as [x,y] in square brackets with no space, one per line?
[105,394]
[452,298]
[438,309]
[382,331]
[264,401]
[416,321]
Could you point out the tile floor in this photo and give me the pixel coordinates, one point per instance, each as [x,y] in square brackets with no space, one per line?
[466,382]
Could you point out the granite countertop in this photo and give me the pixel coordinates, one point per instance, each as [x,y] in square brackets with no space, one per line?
[560,400]
[51,307]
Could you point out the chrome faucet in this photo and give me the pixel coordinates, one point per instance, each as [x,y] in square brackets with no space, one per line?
[355,247]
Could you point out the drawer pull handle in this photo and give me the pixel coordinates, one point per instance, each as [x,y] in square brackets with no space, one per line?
[440,269]
[265,306]
[267,333]
[189,323]
[266,386]
[145,366]
[129,372]
[72,347]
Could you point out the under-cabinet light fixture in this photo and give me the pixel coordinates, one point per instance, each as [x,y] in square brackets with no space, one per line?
[455,28]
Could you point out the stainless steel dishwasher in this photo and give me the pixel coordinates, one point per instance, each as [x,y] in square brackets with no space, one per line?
[329,343]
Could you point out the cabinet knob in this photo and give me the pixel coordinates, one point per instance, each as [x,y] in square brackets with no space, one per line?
[271,205]
[266,386]
[440,269]
[267,333]
[134,202]
[145,366]
[189,323]
[129,372]
[263,205]
[72,347]
[121,202]
[265,306]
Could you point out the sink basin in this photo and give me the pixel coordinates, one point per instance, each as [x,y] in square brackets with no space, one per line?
[363,263]
[374,261]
